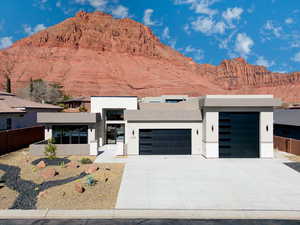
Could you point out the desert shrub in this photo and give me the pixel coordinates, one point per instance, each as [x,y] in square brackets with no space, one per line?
[50,150]
[90,181]
[85,161]
[82,109]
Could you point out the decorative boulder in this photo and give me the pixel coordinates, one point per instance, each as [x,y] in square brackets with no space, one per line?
[42,194]
[73,165]
[41,165]
[49,173]
[92,168]
[79,188]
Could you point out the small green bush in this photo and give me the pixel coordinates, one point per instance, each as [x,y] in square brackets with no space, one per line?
[82,109]
[85,161]
[90,181]
[50,150]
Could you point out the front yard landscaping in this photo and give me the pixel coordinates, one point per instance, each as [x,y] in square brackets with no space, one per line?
[64,183]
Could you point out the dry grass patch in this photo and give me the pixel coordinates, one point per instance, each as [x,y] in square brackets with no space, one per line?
[7,196]
[103,195]
[294,158]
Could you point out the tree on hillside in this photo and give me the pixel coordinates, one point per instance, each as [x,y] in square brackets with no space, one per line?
[7,65]
[43,91]
[8,85]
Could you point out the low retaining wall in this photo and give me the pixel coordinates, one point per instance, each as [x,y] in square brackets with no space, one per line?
[38,149]
[288,145]
[13,140]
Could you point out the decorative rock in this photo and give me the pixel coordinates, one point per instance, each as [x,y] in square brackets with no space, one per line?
[79,188]
[42,194]
[73,165]
[41,165]
[48,173]
[92,168]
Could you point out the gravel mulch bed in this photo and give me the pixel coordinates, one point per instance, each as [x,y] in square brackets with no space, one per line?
[51,162]
[294,165]
[24,183]
[28,191]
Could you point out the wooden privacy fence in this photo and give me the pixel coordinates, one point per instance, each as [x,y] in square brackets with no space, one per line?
[289,145]
[13,140]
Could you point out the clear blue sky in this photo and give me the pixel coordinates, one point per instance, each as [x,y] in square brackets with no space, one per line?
[265,32]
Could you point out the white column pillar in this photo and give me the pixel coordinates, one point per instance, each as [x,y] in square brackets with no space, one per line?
[211,135]
[266,135]
[48,132]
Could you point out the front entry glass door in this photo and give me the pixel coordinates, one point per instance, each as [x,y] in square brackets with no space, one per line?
[115,133]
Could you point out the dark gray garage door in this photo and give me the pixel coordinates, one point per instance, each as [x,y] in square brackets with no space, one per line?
[238,135]
[165,142]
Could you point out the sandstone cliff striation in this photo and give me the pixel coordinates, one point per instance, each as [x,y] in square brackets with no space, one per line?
[95,54]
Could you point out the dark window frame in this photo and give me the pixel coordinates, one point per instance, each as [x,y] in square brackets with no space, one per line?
[70,134]
[112,114]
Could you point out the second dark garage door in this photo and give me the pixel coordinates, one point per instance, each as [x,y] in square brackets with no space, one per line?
[165,142]
[238,135]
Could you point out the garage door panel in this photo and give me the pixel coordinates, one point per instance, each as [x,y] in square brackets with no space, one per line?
[239,134]
[165,141]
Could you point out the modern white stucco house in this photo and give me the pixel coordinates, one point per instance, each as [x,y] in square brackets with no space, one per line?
[231,126]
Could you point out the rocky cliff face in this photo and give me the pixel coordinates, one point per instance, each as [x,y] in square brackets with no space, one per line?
[95,54]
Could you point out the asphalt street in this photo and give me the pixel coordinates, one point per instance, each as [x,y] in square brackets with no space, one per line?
[148,222]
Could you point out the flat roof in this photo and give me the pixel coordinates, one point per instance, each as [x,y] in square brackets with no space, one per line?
[239,101]
[68,118]
[289,117]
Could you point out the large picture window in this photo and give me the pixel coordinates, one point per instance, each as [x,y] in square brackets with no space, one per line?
[70,134]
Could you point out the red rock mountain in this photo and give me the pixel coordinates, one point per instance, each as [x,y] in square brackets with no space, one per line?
[95,54]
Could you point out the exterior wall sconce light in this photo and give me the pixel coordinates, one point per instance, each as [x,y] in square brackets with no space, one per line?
[132,132]
[267,128]
[197,132]
[212,128]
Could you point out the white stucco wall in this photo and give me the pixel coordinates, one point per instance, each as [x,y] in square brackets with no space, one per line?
[100,103]
[132,140]
[210,134]
[266,135]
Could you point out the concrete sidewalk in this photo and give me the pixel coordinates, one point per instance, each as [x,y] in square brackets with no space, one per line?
[149,214]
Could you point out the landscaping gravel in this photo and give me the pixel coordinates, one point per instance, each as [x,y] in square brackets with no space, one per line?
[28,190]
[294,165]
[51,162]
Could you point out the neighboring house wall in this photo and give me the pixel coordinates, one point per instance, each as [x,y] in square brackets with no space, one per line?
[132,140]
[287,131]
[29,119]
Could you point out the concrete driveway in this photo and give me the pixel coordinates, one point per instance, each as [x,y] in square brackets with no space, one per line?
[194,183]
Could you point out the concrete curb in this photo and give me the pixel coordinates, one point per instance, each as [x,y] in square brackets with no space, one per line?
[149,214]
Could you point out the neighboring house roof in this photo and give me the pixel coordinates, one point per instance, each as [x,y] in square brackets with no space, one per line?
[79,99]
[9,103]
[163,115]
[239,101]
[289,117]
[7,110]
[6,93]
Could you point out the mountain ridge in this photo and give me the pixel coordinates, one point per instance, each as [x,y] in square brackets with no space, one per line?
[96,54]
